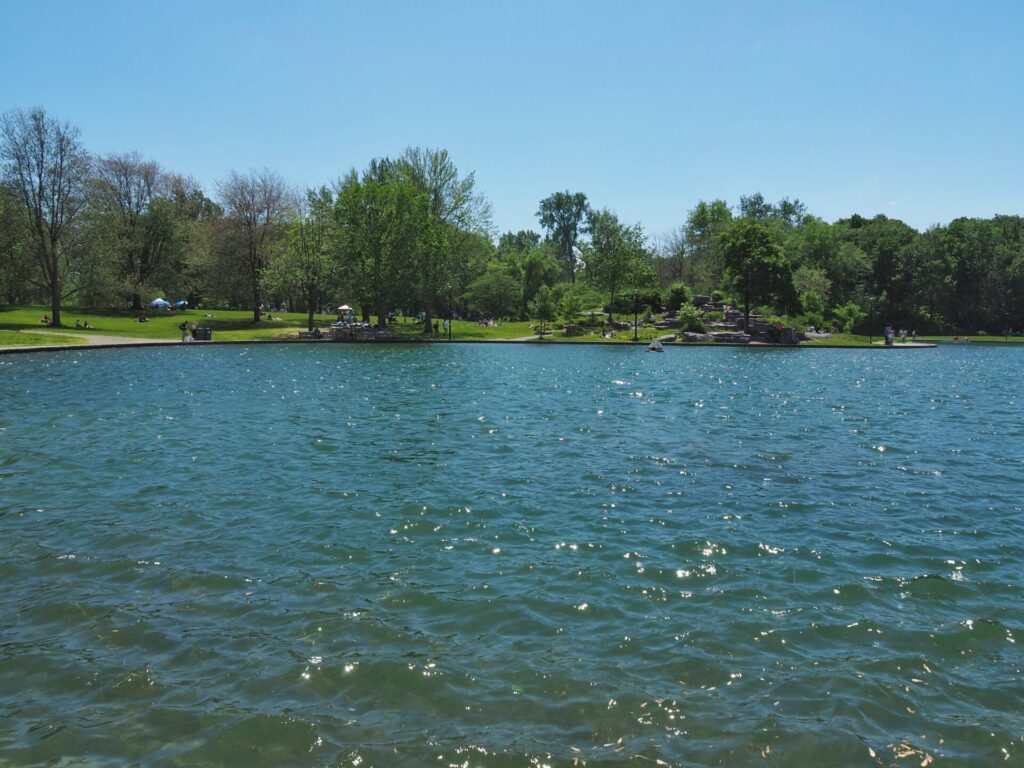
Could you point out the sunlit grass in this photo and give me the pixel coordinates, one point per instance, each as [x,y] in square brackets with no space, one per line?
[227,325]
[29,339]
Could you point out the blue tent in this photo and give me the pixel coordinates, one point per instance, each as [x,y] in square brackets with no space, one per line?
[181,304]
[161,303]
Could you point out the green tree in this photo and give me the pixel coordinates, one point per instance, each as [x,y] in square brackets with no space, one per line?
[616,252]
[46,166]
[756,271]
[16,264]
[543,307]
[893,270]
[383,226]
[678,294]
[306,263]
[494,294]
[539,268]
[522,241]
[696,250]
[132,198]
[848,316]
[459,213]
[257,205]
[812,280]
[561,215]
[571,304]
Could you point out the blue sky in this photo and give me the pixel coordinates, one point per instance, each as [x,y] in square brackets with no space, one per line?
[912,109]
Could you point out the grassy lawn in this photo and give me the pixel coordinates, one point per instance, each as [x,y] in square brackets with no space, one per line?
[232,325]
[841,340]
[226,324]
[28,339]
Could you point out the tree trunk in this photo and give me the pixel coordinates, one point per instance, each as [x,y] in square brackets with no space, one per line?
[428,325]
[55,302]
[256,311]
[309,317]
[136,302]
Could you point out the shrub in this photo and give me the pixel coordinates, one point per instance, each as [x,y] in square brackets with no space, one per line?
[677,295]
[692,319]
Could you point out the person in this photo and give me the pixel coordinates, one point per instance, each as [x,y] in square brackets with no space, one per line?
[193,327]
[436,327]
[143,319]
[317,333]
[184,331]
[87,326]
[78,323]
[45,320]
[444,325]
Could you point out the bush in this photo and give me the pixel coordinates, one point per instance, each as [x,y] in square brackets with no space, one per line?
[848,316]
[692,319]
[677,295]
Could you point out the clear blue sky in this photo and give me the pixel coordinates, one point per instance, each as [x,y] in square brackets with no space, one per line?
[912,109]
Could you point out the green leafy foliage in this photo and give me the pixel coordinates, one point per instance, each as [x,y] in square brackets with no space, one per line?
[677,295]
[848,316]
[756,269]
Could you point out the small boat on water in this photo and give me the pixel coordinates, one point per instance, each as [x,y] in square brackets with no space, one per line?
[656,346]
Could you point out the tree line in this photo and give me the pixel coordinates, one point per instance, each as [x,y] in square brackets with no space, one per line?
[413,234]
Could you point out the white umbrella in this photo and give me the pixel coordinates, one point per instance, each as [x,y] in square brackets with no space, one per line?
[344,308]
[159,303]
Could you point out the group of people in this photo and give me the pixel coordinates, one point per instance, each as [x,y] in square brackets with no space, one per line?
[47,320]
[188,331]
[891,334]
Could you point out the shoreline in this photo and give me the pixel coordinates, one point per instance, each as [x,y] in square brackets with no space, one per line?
[116,342]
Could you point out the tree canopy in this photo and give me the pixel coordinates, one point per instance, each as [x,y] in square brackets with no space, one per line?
[412,233]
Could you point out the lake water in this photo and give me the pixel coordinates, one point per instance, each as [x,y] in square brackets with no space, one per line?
[508,555]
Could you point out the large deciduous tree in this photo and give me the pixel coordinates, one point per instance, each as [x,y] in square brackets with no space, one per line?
[561,215]
[46,166]
[755,267]
[16,264]
[257,205]
[134,197]
[384,226]
[458,213]
[615,252]
[695,252]
[306,263]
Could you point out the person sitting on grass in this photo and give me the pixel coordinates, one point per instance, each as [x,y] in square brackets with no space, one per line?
[78,323]
[143,319]
[45,320]
[317,334]
[85,324]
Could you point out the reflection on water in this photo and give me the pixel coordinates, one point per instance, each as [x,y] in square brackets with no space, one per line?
[507,555]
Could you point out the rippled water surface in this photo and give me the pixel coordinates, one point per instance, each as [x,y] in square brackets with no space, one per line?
[511,555]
